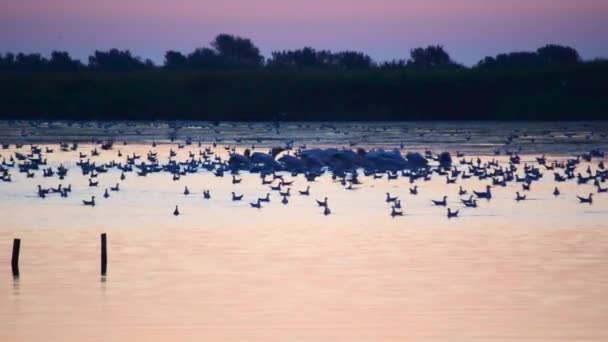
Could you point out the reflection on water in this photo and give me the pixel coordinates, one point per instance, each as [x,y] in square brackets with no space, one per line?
[532,270]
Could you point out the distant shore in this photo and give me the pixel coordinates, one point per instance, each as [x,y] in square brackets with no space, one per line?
[575,92]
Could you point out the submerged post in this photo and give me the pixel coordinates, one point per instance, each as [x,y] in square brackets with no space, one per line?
[15,258]
[104,255]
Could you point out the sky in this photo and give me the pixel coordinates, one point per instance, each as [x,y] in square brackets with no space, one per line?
[384,29]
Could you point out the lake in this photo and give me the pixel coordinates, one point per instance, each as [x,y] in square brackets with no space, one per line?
[507,270]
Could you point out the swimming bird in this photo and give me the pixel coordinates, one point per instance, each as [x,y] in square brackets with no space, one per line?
[520,197]
[556,192]
[394,212]
[390,199]
[91,183]
[176,211]
[236,180]
[305,192]
[186,191]
[487,194]
[452,214]
[265,199]
[206,194]
[461,191]
[526,186]
[322,203]
[414,190]
[106,194]
[443,202]
[471,203]
[326,211]
[91,202]
[257,204]
[285,194]
[600,189]
[122,176]
[115,188]
[236,198]
[397,204]
[586,200]
[284,200]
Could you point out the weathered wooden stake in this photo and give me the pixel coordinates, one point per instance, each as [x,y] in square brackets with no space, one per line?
[104,255]
[15,258]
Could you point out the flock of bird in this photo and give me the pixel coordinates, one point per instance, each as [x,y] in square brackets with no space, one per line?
[29,159]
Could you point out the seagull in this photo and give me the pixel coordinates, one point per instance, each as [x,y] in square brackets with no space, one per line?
[443,202]
[452,214]
[390,199]
[586,200]
[257,204]
[322,203]
[487,194]
[394,212]
[236,198]
[91,202]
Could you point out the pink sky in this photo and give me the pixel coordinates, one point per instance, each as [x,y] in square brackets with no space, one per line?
[385,29]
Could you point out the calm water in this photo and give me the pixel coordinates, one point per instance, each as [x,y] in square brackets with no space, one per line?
[532,270]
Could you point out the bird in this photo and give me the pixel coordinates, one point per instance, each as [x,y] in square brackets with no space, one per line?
[520,197]
[322,203]
[285,193]
[600,189]
[326,211]
[265,199]
[115,188]
[91,202]
[525,186]
[186,191]
[390,199]
[586,200]
[176,211]
[305,192]
[461,191]
[122,176]
[486,194]
[394,212]
[397,204]
[414,190]
[257,204]
[556,192]
[236,198]
[106,194]
[472,203]
[452,214]
[443,202]
[284,200]
[235,180]
[91,183]
[206,194]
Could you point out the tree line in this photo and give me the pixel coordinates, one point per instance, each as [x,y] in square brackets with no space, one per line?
[233,52]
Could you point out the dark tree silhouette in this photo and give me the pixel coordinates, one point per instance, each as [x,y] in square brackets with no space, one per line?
[61,61]
[236,51]
[308,58]
[546,56]
[203,58]
[116,60]
[431,57]
[558,55]
[175,60]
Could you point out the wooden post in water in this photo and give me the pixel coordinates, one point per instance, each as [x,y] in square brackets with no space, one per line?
[104,255]
[15,258]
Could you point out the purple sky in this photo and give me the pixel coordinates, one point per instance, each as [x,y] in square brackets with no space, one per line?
[385,29]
